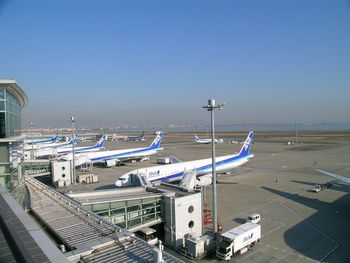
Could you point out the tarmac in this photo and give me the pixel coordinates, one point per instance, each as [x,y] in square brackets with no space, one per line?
[298,225]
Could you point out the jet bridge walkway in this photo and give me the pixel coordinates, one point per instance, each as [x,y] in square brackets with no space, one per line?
[130,208]
[89,237]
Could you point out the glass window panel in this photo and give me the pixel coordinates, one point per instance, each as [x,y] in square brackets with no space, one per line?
[118,204]
[10,109]
[103,214]
[100,207]
[133,208]
[2,125]
[2,105]
[2,94]
[134,202]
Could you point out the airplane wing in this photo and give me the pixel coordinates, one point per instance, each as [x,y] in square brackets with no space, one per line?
[339,177]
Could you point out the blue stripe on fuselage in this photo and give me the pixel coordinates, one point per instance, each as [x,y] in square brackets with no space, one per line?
[203,168]
[78,150]
[116,156]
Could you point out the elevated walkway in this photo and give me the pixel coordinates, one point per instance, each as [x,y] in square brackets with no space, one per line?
[130,208]
[87,236]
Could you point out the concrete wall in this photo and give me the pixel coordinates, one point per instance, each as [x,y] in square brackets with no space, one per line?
[183,215]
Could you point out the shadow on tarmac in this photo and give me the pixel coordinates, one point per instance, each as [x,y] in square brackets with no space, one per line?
[319,233]
[222,182]
[240,220]
[105,187]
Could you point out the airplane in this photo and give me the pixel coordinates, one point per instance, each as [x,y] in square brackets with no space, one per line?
[100,144]
[203,141]
[50,145]
[113,157]
[49,152]
[202,168]
[41,141]
[339,177]
[136,138]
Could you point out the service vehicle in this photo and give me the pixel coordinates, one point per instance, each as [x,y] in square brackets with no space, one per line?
[238,240]
[254,218]
[317,188]
[148,234]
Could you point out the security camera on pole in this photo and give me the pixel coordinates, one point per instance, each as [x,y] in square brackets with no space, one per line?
[211,107]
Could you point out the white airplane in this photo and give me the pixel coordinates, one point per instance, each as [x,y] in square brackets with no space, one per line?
[136,137]
[50,145]
[49,152]
[100,144]
[203,141]
[202,168]
[41,141]
[112,157]
[339,177]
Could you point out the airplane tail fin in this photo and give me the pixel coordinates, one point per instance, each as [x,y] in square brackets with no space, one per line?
[142,136]
[73,140]
[245,150]
[196,138]
[101,142]
[53,139]
[156,142]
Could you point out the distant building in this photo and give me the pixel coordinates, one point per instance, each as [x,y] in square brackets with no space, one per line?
[12,101]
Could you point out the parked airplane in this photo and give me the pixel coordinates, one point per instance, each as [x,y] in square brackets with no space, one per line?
[50,145]
[339,177]
[203,168]
[112,157]
[136,138]
[205,141]
[100,144]
[49,152]
[41,141]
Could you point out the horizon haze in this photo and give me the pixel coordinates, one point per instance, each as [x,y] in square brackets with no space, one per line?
[142,63]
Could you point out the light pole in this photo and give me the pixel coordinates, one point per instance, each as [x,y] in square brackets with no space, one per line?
[32,130]
[296,134]
[73,170]
[211,107]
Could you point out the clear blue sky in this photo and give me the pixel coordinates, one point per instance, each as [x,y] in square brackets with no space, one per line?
[157,62]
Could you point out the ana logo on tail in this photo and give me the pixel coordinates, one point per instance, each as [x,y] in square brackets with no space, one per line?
[101,141]
[157,140]
[247,144]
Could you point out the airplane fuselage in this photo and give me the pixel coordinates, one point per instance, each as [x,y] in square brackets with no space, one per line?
[116,154]
[175,172]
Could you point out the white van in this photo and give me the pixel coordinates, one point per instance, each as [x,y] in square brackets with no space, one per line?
[148,234]
[254,218]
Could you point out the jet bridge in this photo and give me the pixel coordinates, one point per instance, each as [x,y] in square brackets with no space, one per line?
[129,208]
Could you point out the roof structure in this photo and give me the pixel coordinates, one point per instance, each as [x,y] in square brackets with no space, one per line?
[15,90]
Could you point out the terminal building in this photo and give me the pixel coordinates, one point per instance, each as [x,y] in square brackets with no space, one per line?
[12,100]
[72,232]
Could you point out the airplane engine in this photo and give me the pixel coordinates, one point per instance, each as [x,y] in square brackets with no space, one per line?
[204,180]
[111,163]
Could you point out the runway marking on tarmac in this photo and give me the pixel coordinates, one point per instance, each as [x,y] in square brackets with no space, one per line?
[315,228]
[279,199]
[287,253]
[268,201]
[247,256]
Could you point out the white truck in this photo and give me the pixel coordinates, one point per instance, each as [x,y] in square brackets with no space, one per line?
[238,240]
